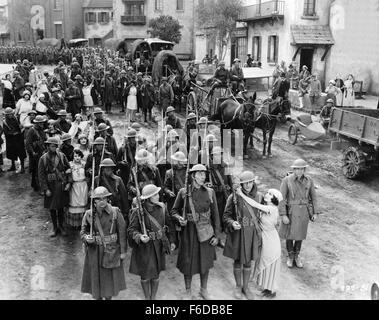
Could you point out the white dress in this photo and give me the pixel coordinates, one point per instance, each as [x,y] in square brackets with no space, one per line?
[23,107]
[132,99]
[78,195]
[269,264]
[88,101]
[349,94]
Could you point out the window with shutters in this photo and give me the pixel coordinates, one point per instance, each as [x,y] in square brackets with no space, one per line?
[90,17]
[57,5]
[159,5]
[309,8]
[180,5]
[257,41]
[273,47]
[58,31]
[103,17]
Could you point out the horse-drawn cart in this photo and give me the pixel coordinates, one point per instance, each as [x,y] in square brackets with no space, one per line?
[304,127]
[357,132]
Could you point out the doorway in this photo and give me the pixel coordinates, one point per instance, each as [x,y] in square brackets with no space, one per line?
[306,59]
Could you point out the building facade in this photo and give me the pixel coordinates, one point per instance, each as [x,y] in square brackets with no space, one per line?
[98,21]
[292,31]
[48,18]
[131,20]
[355,28]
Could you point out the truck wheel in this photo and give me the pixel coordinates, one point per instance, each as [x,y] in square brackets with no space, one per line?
[292,134]
[354,163]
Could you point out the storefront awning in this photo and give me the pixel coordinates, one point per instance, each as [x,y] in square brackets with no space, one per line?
[311,35]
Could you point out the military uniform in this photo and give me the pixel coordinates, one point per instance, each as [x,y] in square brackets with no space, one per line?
[146,174]
[166,96]
[125,161]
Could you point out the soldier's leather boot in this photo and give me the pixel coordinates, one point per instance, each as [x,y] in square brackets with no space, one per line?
[146,289]
[290,259]
[245,289]
[238,278]
[154,288]
[298,261]
[54,219]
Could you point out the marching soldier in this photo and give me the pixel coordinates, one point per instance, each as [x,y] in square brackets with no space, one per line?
[102,131]
[35,146]
[299,206]
[99,153]
[62,124]
[197,141]
[114,185]
[244,235]
[172,119]
[195,210]
[52,176]
[126,156]
[148,234]
[190,125]
[146,174]
[99,118]
[148,98]
[67,148]
[105,248]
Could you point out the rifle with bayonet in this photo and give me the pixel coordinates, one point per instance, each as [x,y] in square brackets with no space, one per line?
[140,213]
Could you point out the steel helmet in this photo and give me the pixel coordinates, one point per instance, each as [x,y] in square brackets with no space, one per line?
[191,116]
[172,135]
[102,127]
[142,155]
[97,110]
[131,133]
[32,112]
[66,137]
[299,164]
[179,156]
[136,126]
[210,138]
[40,119]
[330,101]
[9,111]
[52,140]
[100,192]
[149,191]
[170,109]
[107,163]
[203,120]
[62,113]
[198,168]
[99,141]
[246,176]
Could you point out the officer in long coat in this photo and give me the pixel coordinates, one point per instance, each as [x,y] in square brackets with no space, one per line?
[99,119]
[105,249]
[126,156]
[114,185]
[35,146]
[150,240]
[298,207]
[148,98]
[244,235]
[200,230]
[52,176]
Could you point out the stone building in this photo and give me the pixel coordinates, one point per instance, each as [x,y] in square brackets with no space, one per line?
[291,30]
[131,20]
[49,18]
[98,21]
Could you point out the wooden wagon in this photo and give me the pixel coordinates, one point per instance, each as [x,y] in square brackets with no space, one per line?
[357,132]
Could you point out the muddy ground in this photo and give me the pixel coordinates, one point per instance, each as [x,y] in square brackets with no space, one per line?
[341,253]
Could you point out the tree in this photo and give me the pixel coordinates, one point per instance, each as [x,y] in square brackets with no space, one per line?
[165,28]
[218,18]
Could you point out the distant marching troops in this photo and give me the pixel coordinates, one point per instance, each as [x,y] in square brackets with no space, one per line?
[177,196]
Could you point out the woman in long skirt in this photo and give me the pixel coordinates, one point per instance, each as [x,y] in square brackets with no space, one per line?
[8,97]
[131,106]
[78,191]
[349,94]
[268,268]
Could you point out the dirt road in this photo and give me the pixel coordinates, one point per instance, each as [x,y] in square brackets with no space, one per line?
[341,253]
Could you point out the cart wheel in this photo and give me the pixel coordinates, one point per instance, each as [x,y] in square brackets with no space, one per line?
[191,102]
[292,134]
[374,292]
[354,163]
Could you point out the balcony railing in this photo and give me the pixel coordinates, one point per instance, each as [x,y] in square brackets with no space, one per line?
[129,19]
[262,11]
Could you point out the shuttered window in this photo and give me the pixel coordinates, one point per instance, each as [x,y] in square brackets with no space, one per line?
[257,44]
[273,49]
[180,5]
[309,7]
[103,17]
[90,17]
